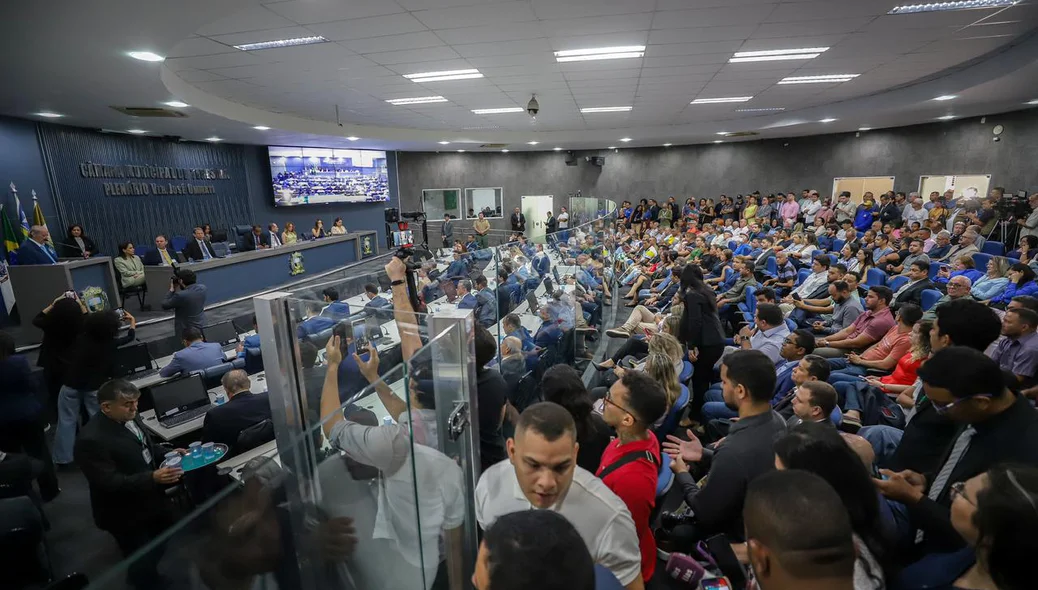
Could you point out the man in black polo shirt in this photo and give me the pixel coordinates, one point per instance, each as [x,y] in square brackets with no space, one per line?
[748,384]
[997,426]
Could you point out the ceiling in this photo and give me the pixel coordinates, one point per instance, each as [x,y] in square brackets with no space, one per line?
[74,62]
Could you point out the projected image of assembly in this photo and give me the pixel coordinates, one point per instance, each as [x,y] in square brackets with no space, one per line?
[314,176]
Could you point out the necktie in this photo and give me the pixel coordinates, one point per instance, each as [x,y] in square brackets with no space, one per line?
[962,444]
[165,257]
[50,252]
[256,239]
[205,251]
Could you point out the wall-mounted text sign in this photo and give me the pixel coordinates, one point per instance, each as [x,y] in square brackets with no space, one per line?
[134,188]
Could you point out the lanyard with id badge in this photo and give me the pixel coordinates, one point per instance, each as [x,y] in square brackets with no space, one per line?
[137,434]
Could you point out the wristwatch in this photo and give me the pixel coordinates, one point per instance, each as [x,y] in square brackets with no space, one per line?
[397,282]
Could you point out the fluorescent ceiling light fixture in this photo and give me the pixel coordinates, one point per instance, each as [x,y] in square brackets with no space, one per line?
[864,128]
[606,109]
[146,56]
[416,100]
[946,97]
[261,128]
[718,141]
[827,120]
[956,5]
[1035,101]
[498,111]
[213,139]
[49,115]
[612,147]
[827,79]
[533,142]
[176,104]
[596,53]
[761,110]
[558,149]
[444,76]
[504,151]
[444,142]
[720,100]
[667,144]
[946,118]
[136,131]
[777,54]
[352,138]
[722,133]
[461,151]
[281,43]
[625,139]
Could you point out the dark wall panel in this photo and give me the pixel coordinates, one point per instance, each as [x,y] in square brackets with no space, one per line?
[956,147]
[21,162]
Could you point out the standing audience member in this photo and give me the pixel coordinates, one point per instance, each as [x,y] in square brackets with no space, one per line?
[127,490]
[77,244]
[631,463]
[187,300]
[21,423]
[61,323]
[542,474]
[91,364]
[799,536]
[700,331]
[562,385]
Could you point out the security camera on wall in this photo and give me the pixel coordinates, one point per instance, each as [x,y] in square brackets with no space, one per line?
[533,107]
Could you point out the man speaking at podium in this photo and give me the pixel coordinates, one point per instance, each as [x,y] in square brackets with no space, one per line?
[36,250]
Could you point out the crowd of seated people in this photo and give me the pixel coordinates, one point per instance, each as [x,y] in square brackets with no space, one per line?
[320,181]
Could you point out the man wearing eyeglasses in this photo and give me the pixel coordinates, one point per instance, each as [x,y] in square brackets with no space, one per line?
[999,426]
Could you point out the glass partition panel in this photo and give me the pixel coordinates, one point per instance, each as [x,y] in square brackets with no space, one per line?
[437,202]
[484,200]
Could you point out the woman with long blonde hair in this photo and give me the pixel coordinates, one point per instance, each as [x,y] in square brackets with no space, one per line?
[660,367]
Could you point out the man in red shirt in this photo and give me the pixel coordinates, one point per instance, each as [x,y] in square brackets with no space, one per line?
[631,463]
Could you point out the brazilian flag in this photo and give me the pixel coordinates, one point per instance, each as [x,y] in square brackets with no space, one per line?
[12,239]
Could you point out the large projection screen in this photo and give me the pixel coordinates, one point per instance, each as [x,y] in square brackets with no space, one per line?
[859,185]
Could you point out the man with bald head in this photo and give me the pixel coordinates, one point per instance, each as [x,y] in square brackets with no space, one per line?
[243,409]
[37,250]
[958,288]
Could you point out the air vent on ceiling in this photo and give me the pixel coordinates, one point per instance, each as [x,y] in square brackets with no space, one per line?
[741,134]
[149,112]
[494,146]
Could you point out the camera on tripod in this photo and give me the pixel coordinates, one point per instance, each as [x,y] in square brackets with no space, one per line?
[1013,206]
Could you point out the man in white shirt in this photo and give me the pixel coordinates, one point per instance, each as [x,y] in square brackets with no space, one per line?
[811,208]
[915,212]
[542,473]
[275,240]
[845,209]
[1029,226]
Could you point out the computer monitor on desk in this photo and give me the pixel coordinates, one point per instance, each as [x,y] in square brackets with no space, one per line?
[548,287]
[133,359]
[532,300]
[223,333]
[555,272]
[179,399]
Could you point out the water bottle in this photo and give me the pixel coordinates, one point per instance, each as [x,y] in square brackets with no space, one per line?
[221,398]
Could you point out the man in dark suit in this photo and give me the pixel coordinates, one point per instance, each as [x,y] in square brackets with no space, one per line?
[187,299]
[198,248]
[447,230]
[272,237]
[552,224]
[468,300]
[912,291]
[375,301]
[243,409]
[518,221]
[257,240]
[127,491]
[162,254]
[36,250]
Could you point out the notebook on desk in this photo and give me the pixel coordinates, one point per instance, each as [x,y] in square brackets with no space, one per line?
[180,400]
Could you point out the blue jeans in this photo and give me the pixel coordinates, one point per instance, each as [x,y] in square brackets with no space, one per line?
[848,395]
[884,440]
[715,408]
[69,401]
[848,371]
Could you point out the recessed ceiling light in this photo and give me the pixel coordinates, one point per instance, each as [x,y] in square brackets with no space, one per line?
[1035,101]
[213,139]
[558,149]
[461,151]
[864,128]
[612,147]
[176,104]
[504,151]
[533,142]
[955,5]
[49,115]
[444,142]
[281,43]
[136,131]
[721,100]
[946,97]
[625,139]
[718,141]
[443,76]
[498,111]
[827,120]
[667,144]
[145,56]
[761,110]
[826,79]
[722,133]
[946,118]
[597,53]
[416,100]
[606,109]
[261,128]
[777,54]
[352,138]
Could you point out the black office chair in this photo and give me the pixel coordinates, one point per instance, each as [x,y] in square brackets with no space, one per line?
[253,436]
[22,545]
[240,231]
[253,361]
[527,392]
[141,291]
[211,376]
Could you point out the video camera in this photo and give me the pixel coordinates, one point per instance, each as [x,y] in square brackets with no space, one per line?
[1013,206]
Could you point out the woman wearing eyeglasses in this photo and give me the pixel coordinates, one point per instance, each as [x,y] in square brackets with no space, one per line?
[996,513]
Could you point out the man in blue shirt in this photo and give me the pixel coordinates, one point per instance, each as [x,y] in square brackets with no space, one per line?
[513,327]
[457,268]
[36,250]
[468,300]
[313,323]
[337,310]
[195,356]
[250,342]
[486,299]
[549,333]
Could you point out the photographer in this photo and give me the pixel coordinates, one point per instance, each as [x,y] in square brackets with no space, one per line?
[986,217]
[187,299]
[1029,226]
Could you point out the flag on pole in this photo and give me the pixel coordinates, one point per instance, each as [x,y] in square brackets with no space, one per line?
[23,222]
[37,214]
[10,244]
